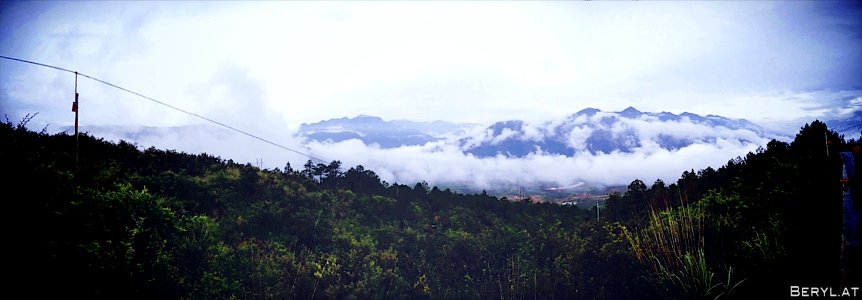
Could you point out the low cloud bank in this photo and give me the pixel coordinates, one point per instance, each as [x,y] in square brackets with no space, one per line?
[446,162]
[696,144]
[439,163]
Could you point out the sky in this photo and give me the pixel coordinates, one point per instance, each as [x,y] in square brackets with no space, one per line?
[267,67]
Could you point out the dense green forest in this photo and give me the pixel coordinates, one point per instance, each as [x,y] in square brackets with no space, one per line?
[127,223]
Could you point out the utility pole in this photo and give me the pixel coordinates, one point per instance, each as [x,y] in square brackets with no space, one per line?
[75,109]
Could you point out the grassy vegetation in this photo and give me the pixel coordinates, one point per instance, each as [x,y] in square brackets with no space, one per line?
[671,245]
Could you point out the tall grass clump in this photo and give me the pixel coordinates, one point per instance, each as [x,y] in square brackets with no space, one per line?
[671,247]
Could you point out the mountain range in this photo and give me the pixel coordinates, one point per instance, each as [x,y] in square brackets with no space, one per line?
[590,130]
[595,131]
[374,130]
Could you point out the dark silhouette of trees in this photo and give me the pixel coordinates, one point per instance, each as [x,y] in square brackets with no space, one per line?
[162,224]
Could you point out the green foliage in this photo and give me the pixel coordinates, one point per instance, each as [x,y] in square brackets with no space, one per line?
[162,224]
[769,215]
[672,247]
[127,223]
[694,279]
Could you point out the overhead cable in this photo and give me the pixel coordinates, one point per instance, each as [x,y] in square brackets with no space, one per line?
[168,105]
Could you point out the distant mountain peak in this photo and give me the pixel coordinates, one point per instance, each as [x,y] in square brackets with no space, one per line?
[589,111]
[690,115]
[515,125]
[631,112]
[368,117]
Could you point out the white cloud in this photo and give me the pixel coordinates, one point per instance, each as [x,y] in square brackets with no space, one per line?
[208,139]
[445,162]
[532,132]
[650,128]
[449,165]
[505,134]
[578,137]
[268,67]
[474,62]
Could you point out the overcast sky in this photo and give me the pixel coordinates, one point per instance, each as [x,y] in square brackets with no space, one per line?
[267,67]
[456,61]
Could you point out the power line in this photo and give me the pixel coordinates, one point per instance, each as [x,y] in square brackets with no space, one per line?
[38,64]
[168,105]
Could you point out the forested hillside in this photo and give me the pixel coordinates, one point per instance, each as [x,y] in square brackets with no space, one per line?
[126,223]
